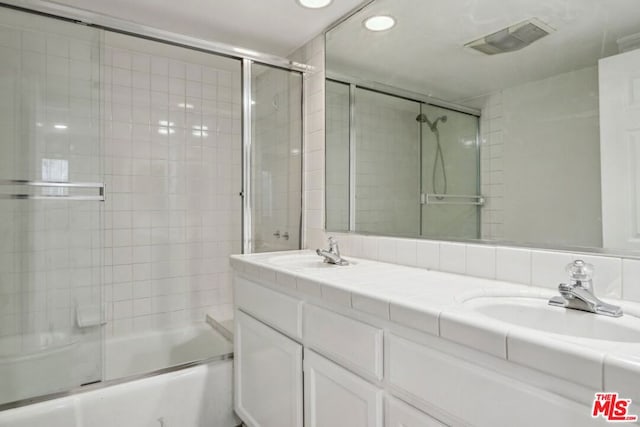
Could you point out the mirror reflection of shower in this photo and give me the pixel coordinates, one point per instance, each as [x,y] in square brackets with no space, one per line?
[439,157]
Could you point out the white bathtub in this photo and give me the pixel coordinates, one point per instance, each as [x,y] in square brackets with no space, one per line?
[196,396]
[37,363]
[138,354]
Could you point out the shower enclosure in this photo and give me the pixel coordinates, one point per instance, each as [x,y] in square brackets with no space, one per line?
[400,166]
[123,193]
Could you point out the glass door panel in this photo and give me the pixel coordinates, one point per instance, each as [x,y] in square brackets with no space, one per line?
[276,170]
[387,193]
[449,174]
[50,206]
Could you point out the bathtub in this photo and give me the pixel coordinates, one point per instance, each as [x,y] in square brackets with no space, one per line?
[179,393]
[38,363]
[150,351]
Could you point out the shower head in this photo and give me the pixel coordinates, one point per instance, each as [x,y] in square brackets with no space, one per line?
[442,119]
[422,118]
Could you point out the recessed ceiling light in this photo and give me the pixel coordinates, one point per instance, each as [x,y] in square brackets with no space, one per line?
[314,4]
[379,23]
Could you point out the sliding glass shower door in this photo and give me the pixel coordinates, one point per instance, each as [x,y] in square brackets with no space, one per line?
[398,166]
[387,164]
[51,196]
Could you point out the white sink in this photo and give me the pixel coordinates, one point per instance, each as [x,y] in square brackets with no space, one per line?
[303,261]
[535,313]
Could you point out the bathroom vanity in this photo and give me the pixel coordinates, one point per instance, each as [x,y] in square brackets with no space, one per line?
[376,344]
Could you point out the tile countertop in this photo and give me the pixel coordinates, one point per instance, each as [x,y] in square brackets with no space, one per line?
[433,302]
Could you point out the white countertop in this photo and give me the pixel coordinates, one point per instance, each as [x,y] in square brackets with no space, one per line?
[435,302]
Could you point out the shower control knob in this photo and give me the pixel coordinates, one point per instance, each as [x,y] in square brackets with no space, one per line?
[277,234]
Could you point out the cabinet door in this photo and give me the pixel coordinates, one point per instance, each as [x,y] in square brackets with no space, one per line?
[268,375]
[334,397]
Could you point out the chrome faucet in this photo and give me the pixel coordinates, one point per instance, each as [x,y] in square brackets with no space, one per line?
[579,294]
[332,256]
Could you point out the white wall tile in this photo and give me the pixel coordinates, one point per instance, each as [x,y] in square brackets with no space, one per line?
[548,268]
[407,252]
[631,279]
[370,247]
[453,257]
[151,213]
[428,254]
[564,360]
[513,265]
[607,275]
[387,249]
[481,261]
[623,376]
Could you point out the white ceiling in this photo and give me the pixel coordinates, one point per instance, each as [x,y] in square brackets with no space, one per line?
[276,27]
[425,51]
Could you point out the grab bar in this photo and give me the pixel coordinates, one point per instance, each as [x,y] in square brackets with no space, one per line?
[456,199]
[19,196]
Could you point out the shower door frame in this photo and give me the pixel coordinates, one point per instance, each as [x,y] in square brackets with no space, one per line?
[247,146]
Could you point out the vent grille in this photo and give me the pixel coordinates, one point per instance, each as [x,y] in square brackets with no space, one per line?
[511,38]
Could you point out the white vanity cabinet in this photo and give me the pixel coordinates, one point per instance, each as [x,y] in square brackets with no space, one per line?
[268,375]
[269,365]
[335,397]
[303,359]
[268,360]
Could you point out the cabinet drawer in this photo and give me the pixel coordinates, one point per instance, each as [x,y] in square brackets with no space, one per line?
[399,414]
[278,310]
[349,342]
[473,394]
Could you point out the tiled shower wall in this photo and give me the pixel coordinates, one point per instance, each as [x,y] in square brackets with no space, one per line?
[337,171]
[615,276]
[491,168]
[173,162]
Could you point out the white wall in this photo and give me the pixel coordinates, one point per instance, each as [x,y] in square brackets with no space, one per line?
[172,143]
[541,154]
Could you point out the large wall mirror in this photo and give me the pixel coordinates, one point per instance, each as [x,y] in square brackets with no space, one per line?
[503,121]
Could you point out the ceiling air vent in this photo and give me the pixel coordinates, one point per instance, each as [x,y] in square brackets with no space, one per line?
[511,38]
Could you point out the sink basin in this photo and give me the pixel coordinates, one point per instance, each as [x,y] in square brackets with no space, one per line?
[535,313]
[306,261]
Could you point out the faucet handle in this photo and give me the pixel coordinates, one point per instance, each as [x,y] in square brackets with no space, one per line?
[580,273]
[333,245]
[580,270]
